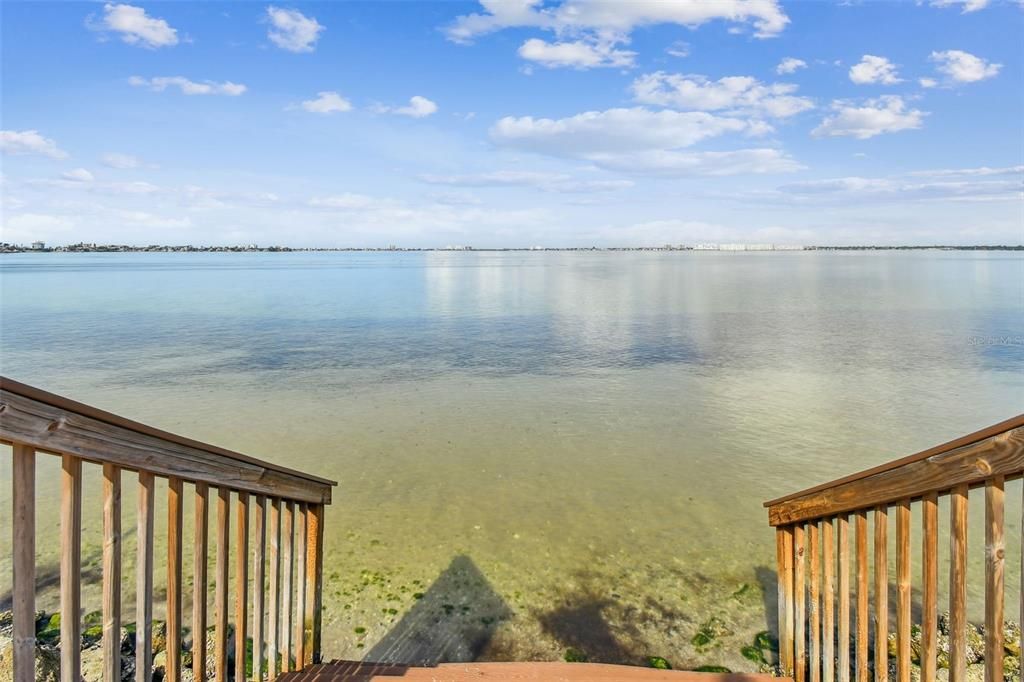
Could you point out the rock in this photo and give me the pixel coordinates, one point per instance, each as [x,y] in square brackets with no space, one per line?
[159,636]
[1011,638]
[47,663]
[1011,668]
[6,621]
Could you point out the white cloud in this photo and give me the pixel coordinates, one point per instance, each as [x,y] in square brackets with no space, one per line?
[612,17]
[29,142]
[418,107]
[578,54]
[292,30]
[790,65]
[968,5]
[896,189]
[733,93]
[886,114]
[963,67]
[346,201]
[187,86]
[78,175]
[679,48]
[548,182]
[135,26]
[615,131]
[927,82]
[872,69]
[32,226]
[982,171]
[642,141]
[120,161]
[674,163]
[327,102]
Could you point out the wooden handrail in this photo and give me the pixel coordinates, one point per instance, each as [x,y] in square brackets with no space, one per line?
[33,420]
[806,523]
[53,423]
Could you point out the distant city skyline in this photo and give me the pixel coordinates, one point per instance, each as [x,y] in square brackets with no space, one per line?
[559,123]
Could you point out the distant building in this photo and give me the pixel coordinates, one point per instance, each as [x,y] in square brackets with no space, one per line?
[38,246]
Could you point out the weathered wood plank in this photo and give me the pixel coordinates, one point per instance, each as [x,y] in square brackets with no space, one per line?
[828,597]
[799,605]
[861,532]
[995,560]
[274,625]
[241,583]
[881,523]
[111,573]
[174,520]
[287,543]
[903,587]
[144,578]
[843,639]
[784,562]
[300,587]
[70,567]
[314,580]
[220,598]
[930,587]
[23,520]
[58,430]
[958,585]
[814,605]
[258,577]
[200,582]
[999,455]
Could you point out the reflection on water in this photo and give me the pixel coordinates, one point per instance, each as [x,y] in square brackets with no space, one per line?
[596,431]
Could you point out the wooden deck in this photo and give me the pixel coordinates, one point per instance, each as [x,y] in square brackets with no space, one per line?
[354,671]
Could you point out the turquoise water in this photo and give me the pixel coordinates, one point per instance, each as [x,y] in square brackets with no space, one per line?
[574,446]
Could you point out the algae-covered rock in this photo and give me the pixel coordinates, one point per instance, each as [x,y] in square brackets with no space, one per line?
[574,656]
[709,632]
[712,669]
[1011,638]
[658,662]
[47,661]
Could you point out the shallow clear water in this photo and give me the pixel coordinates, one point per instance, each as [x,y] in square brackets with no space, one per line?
[573,446]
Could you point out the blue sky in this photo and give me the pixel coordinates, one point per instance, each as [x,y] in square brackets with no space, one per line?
[513,123]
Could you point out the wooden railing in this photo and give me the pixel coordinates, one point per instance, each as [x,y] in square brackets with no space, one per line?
[814,562]
[285,614]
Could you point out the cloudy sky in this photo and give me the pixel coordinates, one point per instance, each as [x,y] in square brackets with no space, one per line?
[513,122]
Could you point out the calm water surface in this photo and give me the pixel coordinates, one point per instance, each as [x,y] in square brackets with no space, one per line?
[558,450]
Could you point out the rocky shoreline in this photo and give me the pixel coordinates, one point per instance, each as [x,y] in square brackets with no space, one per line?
[47,662]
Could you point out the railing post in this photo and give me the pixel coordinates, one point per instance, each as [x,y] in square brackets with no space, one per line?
[111,573]
[23,520]
[314,580]
[71,570]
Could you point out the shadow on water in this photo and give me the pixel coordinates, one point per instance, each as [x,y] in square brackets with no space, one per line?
[454,620]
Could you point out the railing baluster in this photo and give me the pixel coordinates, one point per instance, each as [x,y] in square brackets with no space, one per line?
[273,653]
[144,579]
[903,591]
[828,595]
[287,542]
[995,555]
[174,515]
[814,541]
[799,610]
[784,562]
[241,584]
[300,588]
[258,576]
[221,590]
[843,642]
[23,520]
[862,595]
[930,591]
[881,594]
[200,582]
[958,585]
[314,579]
[111,573]
[71,569]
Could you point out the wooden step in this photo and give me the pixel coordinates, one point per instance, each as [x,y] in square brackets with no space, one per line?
[355,671]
